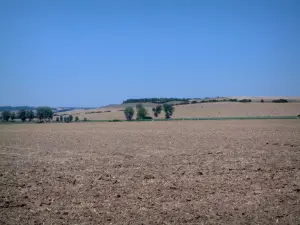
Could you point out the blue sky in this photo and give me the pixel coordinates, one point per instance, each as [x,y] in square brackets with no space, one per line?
[93,53]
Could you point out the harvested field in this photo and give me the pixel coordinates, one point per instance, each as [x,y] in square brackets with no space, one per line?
[220,109]
[177,172]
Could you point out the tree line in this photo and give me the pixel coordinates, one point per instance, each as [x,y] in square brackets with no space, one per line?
[42,114]
[154,100]
[142,113]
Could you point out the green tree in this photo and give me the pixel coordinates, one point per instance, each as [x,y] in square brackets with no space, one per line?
[141,112]
[12,116]
[66,119]
[85,119]
[129,112]
[70,118]
[5,115]
[61,118]
[157,110]
[262,101]
[169,110]
[43,113]
[57,119]
[22,114]
[30,115]
[76,119]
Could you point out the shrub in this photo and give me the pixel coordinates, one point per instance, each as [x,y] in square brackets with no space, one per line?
[245,100]
[157,110]
[280,101]
[85,119]
[5,115]
[115,120]
[169,110]
[70,118]
[141,112]
[57,119]
[30,115]
[129,112]
[148,118]
[22,114]
[12,116]
[76,119]
[262,101]
[194,102]
[61,118]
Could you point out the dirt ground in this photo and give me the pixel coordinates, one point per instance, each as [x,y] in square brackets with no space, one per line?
[220,109]
[176,172]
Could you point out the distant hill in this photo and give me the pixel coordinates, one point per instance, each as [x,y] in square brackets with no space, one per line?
[58,109]
[16,108]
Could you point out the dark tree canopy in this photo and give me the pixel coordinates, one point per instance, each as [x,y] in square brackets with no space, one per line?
[169,110]
[43,113]
[141,112]
[30,115]
[22,114]
[157,110]
[129,112]
[70,118]
[12,116]
[5,115]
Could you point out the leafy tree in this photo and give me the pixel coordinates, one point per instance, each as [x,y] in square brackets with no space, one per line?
[76,119]
[22,114]
[129,112]
[66,119]
[43,113]
[30,115]
[70,118]
[61,118]
[157,110]
[85,119]
[12,116]
[262,101]
[141,112]
[5,115]
[57,119]
[169,110]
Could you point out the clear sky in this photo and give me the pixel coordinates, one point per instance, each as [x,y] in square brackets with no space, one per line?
[93,53]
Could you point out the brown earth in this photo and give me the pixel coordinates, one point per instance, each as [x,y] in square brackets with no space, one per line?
[176,172]
[220,109]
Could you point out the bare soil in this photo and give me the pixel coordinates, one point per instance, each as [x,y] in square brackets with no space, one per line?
[177,172]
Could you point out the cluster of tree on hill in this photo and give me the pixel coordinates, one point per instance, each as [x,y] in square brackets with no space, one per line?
[154,100]
[142,113]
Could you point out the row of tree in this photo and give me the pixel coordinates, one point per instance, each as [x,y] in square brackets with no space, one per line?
[21,114]
[142,112]
[42,113]
[66,119]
